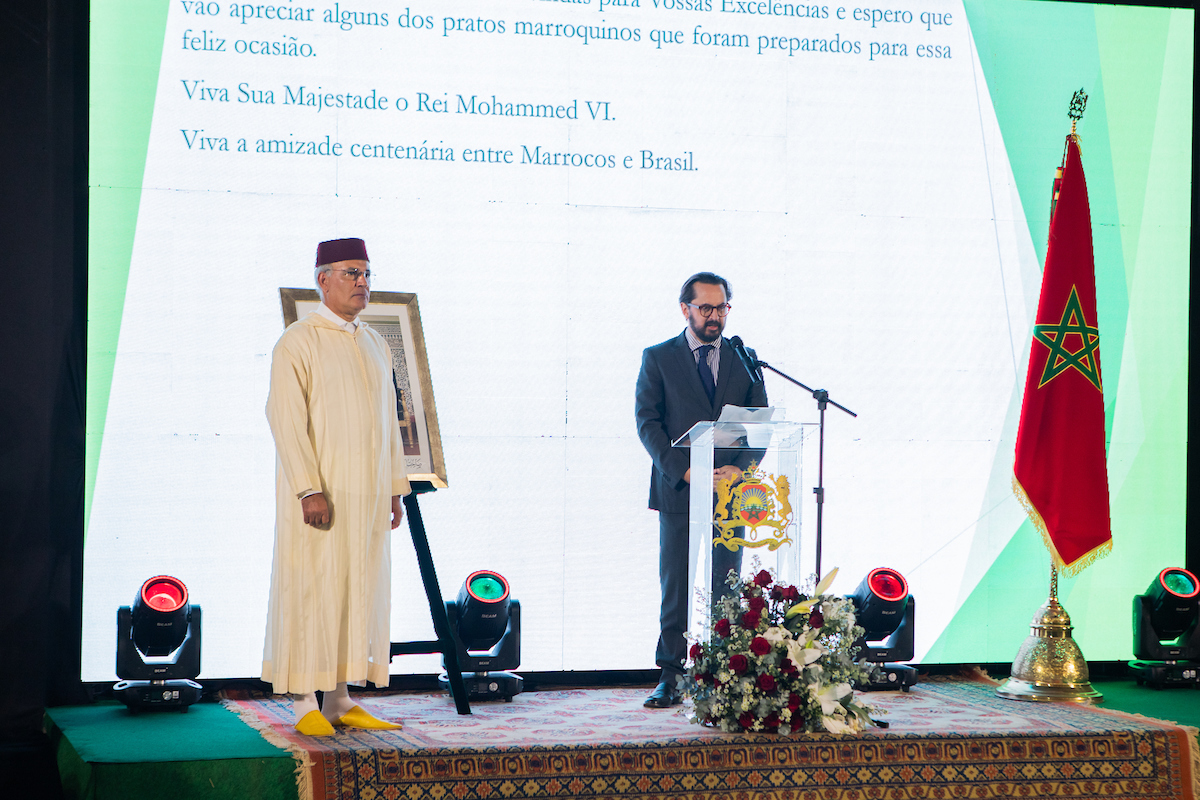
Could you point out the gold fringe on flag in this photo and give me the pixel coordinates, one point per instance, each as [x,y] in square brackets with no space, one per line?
[1078,565]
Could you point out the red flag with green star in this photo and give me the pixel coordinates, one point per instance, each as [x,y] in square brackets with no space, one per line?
[1060,475]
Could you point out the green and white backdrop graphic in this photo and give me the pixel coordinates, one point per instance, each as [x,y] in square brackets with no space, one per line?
[875,185]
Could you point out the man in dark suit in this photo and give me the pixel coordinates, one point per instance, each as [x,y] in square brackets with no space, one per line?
[684,380]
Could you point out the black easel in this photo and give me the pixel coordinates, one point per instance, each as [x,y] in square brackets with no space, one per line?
[822,398]
[445,643]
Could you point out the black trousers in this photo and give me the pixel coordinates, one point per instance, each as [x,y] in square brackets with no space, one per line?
[677,592]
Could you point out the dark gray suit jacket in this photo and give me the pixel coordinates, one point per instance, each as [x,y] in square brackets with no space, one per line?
[670,399]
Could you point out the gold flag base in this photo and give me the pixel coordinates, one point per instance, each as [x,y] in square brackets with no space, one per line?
[1049,667]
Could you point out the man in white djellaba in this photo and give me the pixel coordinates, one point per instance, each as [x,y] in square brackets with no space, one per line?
[339,479]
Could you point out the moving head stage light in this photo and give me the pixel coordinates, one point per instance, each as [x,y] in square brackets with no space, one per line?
[1166,638]
[486,623]
[158,647]
[884,609]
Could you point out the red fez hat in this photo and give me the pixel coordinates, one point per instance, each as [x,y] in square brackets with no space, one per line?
[341,250]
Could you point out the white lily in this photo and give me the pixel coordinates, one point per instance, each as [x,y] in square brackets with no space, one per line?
[835,725]
[830,697]
[803,656]
[776,635]
[805,606]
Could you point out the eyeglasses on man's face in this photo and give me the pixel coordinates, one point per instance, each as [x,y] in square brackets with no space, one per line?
[353,274]
[707,311]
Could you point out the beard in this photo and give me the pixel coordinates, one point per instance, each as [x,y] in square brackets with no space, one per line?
[706,330]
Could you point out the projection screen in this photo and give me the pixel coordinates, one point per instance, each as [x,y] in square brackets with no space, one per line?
[874,182]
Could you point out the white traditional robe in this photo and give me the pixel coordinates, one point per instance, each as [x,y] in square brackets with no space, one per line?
[332,410]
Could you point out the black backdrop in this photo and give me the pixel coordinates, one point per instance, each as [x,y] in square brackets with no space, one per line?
[43,247]
[43,319]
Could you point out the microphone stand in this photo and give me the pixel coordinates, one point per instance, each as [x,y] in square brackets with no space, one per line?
[822,398]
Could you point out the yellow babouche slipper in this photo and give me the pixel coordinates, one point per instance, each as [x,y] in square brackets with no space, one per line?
[314,724]
[357,717]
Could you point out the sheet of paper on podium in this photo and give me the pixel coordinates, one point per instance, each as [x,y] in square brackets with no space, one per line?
[730,413]
[729,433]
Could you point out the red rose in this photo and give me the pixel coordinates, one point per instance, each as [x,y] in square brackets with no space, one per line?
[751,619]
[816,619]
[792,594]
[787,667]
[757,604]
[739,663]
[695,651]
[746,720]
[771,720]
[777,592]
[722,627]
[794,701]
[766,683]
[763,579]
[759,646]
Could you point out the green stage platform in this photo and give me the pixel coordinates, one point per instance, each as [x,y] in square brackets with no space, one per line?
[1178,705]
[106,753]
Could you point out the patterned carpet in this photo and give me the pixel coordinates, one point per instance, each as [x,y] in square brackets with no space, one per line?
[946,739]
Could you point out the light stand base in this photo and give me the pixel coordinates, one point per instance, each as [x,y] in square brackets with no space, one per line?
[1162,674]
[174,695]
[488,685]
[890,677]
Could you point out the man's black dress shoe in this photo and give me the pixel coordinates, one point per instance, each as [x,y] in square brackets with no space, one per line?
[664,695]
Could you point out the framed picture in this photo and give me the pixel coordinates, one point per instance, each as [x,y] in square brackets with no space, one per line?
[396,317]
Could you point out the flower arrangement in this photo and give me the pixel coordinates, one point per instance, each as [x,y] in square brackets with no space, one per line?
[778,660]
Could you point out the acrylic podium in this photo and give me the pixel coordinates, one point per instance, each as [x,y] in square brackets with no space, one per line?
[759,514]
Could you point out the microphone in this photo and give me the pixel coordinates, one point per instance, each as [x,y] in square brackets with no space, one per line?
[748,361]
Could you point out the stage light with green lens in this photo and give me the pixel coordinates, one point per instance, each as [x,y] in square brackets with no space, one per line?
[486,621]
[1179,582]
[487,586]
[1166,630]
[1172,599]
[482,609]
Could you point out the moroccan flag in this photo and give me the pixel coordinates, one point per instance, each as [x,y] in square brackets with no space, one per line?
[1060,474]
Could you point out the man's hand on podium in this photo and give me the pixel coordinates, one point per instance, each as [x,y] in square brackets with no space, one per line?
[727,473]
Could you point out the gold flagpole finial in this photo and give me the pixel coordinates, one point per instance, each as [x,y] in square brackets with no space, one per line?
[1078,104]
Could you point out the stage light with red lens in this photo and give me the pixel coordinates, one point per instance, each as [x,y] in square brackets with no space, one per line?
[160,616]
[158,647]
[887,584]
[885,611]
[880,601]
